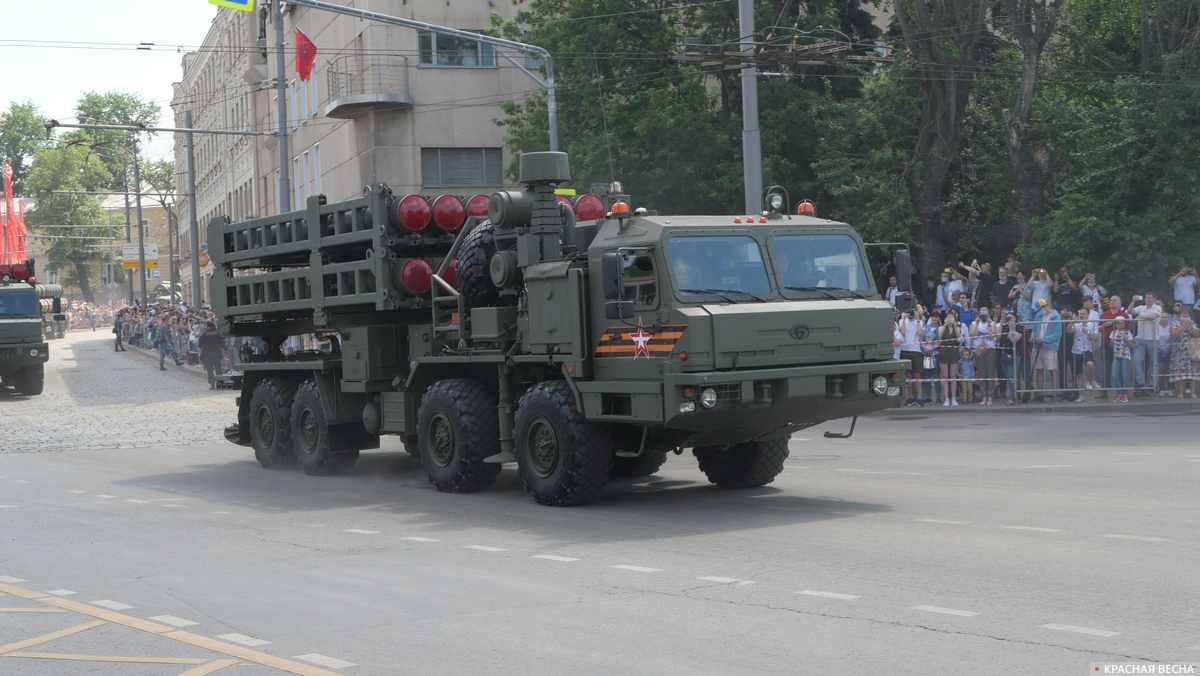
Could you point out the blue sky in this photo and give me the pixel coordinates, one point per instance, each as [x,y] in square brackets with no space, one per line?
[54,52]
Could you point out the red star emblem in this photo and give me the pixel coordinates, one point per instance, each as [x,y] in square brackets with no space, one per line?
[641,341]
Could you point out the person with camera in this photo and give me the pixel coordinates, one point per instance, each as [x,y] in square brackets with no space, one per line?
[950,341]
[1041,287]
[1114,312]
[1089,288]
[910,330]
[1145,347]
[1184,370]
[1008,337]
[983,338]
[1064,290]
[1047,334]
[1020,297]
[1184,284]
[1083,334]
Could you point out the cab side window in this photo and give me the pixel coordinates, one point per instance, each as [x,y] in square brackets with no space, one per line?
[641,282]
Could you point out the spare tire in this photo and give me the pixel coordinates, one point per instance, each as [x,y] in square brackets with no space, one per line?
[474,277]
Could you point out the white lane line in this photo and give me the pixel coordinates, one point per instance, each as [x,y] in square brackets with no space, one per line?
[725,580]
[174,505]
[946,611]
[1035,529]
[146,502]
[1195,647]
[8,506]
[1132,453]
[112,605]
[829,595]
[1080,630]
[638,569]
[846,469]
[77,492]
[10,579]
[484,548]
[1045,466]
[1063,450]
[61,592]
[21,481]
[1140,538]
[106,497]
[417,539]
[331,662]
[946,521]
[551,557]
[243,639]
[174,621]
[360,531]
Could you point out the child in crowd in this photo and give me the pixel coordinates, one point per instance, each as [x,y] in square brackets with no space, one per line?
[1122,359]
[966,371]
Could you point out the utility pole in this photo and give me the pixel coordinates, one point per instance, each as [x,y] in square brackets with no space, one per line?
[137,185]
[285,183]
[751,140]
[128,231]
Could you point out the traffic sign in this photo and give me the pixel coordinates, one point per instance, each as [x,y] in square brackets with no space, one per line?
[203,258]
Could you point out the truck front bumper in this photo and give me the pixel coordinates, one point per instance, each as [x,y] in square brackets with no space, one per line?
[14,356]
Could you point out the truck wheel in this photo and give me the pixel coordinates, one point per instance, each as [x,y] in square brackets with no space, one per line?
[632,468]
[31,379]
[271,421]
[562,458]
[457,427]
[310,435]
[474,276]
[746,465]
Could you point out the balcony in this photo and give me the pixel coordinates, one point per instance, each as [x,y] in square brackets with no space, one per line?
[358,84]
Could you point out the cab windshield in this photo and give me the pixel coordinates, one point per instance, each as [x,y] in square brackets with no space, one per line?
[19,304]
[728,266]
[819,263]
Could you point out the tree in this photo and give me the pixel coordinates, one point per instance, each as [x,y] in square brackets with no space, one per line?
[113,147]
[22,134]
[943,39]
[54,174]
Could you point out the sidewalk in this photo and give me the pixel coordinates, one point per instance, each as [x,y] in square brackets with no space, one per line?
[1091,406]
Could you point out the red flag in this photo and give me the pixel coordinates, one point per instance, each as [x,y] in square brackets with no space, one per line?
[10,227]
[306,55]
[22,233]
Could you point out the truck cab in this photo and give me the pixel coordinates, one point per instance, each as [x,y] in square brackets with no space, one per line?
[23,349]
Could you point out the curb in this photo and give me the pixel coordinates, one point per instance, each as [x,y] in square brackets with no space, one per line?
[152,354]
[1145,406]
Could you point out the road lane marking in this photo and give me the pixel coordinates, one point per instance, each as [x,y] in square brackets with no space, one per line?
[145,502]
[946,611]
[484,548]
[112,605]
[945,521]
[52,636]
[551,557]
[205,669]
[726,580]
[110,658]
[360,531]
[21,481]
[1034,529]
[331,662]
[40,609]
[9,579]
[77,492]
[638,569]
[246,654]
[829,595]
[105,496]
[1080,630]
[174,621]
[1132,453]
[1139,538]
[417,539]
[243,639]
[1063,450]
[61,592]
[1045,466]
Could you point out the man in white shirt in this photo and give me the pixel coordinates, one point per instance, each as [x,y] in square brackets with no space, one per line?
[909,327]
[1184,283]
[1145,347]
[893,290]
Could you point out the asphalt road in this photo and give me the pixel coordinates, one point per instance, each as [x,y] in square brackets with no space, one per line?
[968,543]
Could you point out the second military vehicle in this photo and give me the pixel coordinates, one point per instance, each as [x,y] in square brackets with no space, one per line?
[578,339]
[23,349]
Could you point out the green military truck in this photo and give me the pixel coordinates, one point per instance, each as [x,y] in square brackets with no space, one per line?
[23,349]
[580,340]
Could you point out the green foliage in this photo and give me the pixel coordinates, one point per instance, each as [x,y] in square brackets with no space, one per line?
[22,134]
[113,147]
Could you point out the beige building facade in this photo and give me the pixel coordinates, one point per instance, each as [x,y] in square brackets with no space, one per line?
[409,108]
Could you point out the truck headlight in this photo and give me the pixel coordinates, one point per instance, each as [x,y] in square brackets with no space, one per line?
[687,407]
[879,386]
[33,352]
[708,398]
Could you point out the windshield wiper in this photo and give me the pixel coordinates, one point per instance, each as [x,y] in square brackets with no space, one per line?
[721,293]
[827,290]
[852,292]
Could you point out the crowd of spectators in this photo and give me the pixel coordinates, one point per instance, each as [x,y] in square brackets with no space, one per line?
[984,336]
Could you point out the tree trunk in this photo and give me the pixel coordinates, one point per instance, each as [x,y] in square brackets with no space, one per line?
[85,286]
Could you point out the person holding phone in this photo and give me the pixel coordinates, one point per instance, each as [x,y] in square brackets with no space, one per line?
[1184,284]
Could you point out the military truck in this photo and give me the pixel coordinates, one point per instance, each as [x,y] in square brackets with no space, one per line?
[23,349]
[577,338]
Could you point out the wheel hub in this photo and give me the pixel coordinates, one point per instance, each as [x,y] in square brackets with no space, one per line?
[266,426]
[441,440]
[542,445]
[308,430]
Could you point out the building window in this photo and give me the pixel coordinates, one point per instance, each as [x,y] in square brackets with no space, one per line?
[446,50]
[316,169]
[449,167]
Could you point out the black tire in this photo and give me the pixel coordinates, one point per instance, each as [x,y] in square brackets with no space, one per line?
[474,275]
[271,421]
[646,464]
[746,465]
[310,435]
[457,427]
[31,379]
[562,458]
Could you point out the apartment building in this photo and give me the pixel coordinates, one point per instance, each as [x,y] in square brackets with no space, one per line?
[413,109]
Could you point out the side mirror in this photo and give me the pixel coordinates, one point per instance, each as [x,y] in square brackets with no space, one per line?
[905,301]
[57,306]
[612,277]
[618,309]
[903,271]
